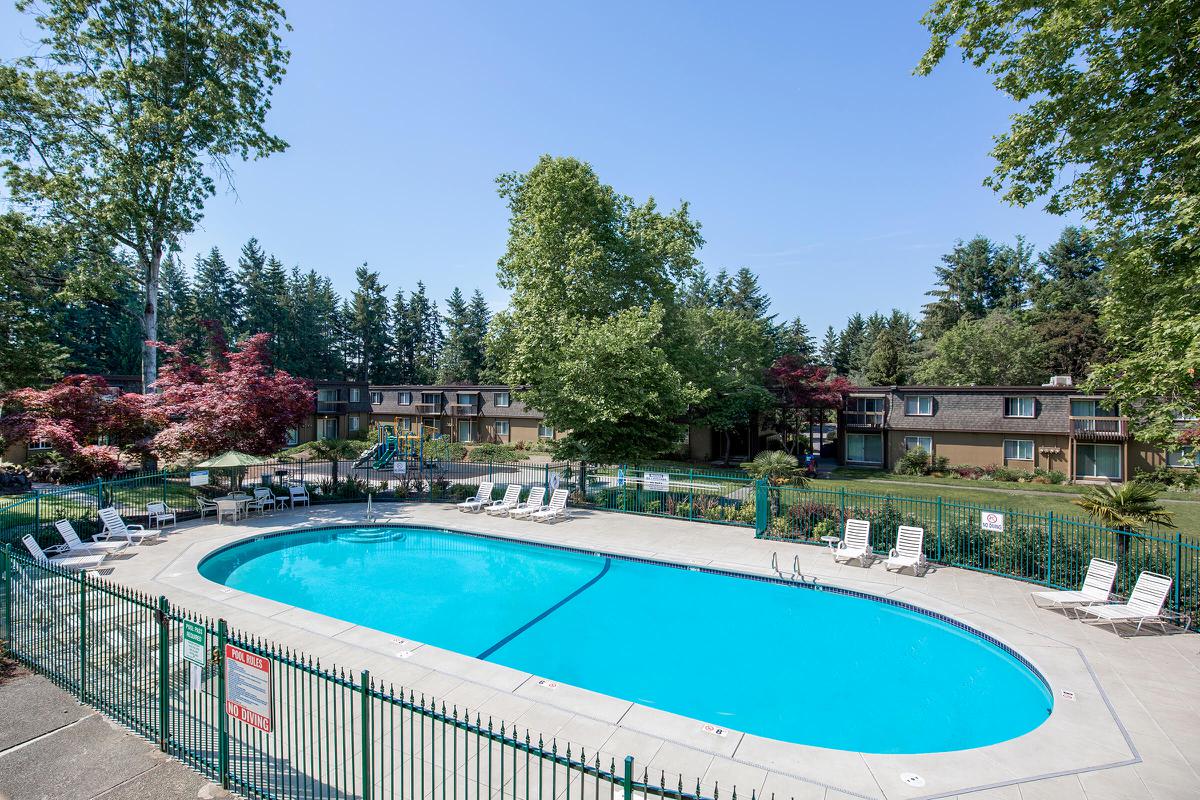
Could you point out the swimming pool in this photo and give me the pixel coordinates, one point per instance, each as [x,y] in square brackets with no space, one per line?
[817,667]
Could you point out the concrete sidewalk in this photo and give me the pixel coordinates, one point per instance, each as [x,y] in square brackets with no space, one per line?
[52,748]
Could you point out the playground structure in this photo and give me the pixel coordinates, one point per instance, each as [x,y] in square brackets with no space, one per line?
[393,443]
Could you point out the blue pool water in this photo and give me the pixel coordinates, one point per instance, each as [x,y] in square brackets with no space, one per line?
[784,662]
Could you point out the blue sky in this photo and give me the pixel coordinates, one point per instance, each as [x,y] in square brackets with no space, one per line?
[806,147]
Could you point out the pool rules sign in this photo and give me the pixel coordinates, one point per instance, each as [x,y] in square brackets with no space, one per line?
[248,687]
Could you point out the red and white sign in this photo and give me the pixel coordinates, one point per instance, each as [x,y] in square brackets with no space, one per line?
[991,521]
[248,687]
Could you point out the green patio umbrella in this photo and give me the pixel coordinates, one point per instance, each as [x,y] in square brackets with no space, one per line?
[234,461]
[232,458]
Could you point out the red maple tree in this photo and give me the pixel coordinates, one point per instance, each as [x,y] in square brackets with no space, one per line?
[235,400]
[91,427]
[808,390]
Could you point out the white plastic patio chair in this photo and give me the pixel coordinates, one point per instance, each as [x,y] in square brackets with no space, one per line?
[512,497]
[1145,604]
[115,527]
[159,513]
[229,508]
[264,498]
[298,494]
[73,545]
[909,550]
[76,563]
[482,495]
[855,544]
[206,506]
[1097,588]
[555,509]
[534,502]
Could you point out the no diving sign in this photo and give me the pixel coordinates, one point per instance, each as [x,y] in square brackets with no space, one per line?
[248,687]
[992,521]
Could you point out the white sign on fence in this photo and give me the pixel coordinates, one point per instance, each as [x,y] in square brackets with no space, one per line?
[248,687]
[656,481]
[198,477]
[991,521]
[399,467]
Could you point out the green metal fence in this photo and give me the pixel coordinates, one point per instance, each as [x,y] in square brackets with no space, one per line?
[333,732]
[1051,549]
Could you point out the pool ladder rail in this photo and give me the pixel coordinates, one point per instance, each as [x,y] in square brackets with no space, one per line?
[796,575]
[361,536]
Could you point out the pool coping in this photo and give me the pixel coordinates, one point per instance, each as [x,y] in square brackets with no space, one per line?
[759,753]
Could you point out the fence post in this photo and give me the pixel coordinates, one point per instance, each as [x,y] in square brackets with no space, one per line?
[939,528]
[691,493]
[1049,548]
[162,616]
[83,581]
[37,512]
[842,502]
[99,494]
[367,780]
[761,508]
[222,716]
[627,781]
[163,475]
[1178,559]
[6,596]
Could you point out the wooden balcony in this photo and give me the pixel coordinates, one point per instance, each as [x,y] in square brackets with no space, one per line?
[464,409]
[872,420]
[1099,429]
[332,406]
[428,409]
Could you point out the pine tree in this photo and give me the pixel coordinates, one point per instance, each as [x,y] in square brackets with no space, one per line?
[260,302]
[850,344]
[215,294]
[887,364]
[794,339]
[404,340]
[425,325]
[454,366]
[829,347]
[176,316]
[367,328]
[744,294]
[974,279]
[479,318]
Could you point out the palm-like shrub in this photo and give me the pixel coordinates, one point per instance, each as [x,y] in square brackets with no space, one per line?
[333,451]
[1125,508]
[776,467]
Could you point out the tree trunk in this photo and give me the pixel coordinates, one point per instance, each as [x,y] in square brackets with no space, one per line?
[728,446]
[150,323]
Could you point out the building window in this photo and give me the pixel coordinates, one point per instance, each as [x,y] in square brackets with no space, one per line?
[39,444]
[293,437]
[1183,457]
[1092,408]
[355,395]
[1098,461]
[923,442]
[406,423]
[545,431]
[327,395]
[919,405]
[1018,450]
[352,424]
[1184,416]
[327,429]
[864,448]
[864,411]
[1019,407]
[404,398]
[502,427]
[501,400]
[376,398]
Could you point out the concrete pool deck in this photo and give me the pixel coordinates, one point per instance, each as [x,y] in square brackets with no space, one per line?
[1128,725]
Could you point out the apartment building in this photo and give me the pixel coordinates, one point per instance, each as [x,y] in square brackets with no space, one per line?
[1054,427]
[462,413]
[341,409]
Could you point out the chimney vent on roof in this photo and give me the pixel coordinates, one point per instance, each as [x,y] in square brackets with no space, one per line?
[1060,380]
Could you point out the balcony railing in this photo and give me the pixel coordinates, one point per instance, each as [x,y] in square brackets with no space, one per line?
[1099,428]
[864,419]
[464,409]
[429,408]
[332,406]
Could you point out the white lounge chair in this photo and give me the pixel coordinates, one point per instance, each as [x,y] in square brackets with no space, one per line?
[1097,588]
[159,513]
[1145,604]
[856,543]
[299,494]
[482,495]
[74,546]
[909,550]
[115,527]
[555,509]
[512,497]
[76,563]
[533,503]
